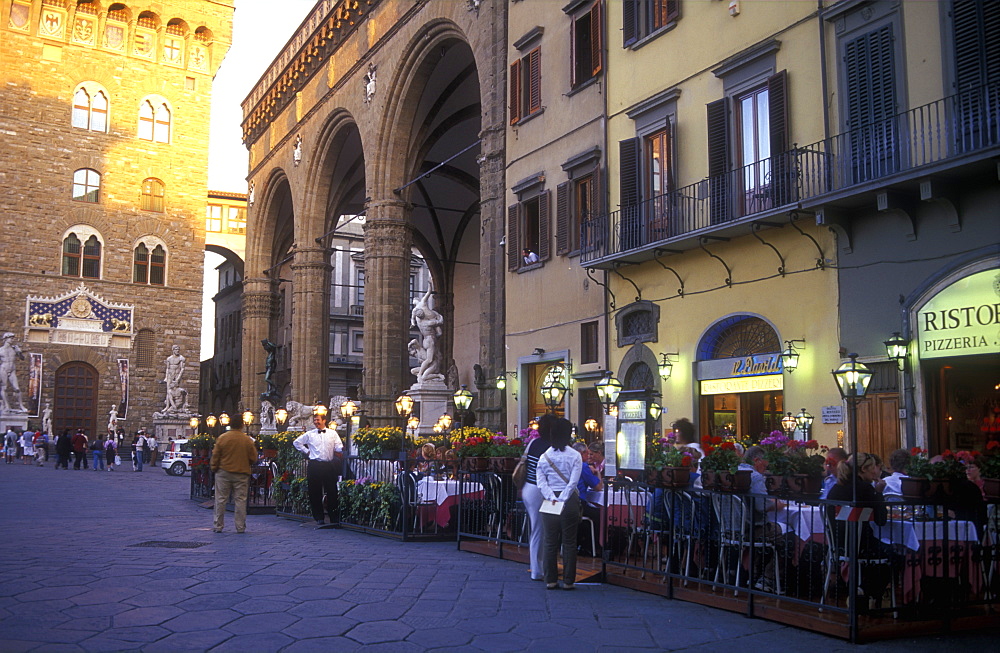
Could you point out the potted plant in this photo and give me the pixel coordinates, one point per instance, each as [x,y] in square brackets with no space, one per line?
[383,442]
[719,466]
[779,463]
[268,445]
[201,444]
[989,469]
[928,479]
[807,468]
[666,465]
[474,452]
[505,452]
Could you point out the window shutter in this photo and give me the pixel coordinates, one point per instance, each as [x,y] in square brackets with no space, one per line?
[534,80]
[777,99]
[513,246]
[718,160]
[562,218]
[630,22]
[596,34]
[869,68]
[673,10]
[976,30]
[515,91]
[596,197]
[668,165]
[544,228]
[629,226]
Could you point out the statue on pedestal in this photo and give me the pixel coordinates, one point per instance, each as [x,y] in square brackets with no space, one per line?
[47,419]
[176,403]
[270,366]
[9,355]
[428,322]
[267,422]
[113,420]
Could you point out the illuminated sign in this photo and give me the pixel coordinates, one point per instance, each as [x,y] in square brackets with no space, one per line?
[725,368]
[742,384]
[963,319]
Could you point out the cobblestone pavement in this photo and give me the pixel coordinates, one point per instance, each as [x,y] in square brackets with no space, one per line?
[73,578]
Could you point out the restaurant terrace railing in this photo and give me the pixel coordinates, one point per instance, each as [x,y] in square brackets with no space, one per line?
[259,499]
[952,127]
[823,565]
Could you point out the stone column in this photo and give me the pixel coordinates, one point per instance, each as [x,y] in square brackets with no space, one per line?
[258,308]
[388,238]
[310,325]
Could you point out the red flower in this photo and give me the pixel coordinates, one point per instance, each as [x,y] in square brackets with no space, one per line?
[727,446]
[516,442]
[686,461]
[811,444]
[708,449]
[717,439]
[916,451]
[947,454]
[706,439]
[993,444]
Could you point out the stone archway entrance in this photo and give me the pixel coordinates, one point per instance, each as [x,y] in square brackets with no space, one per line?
[75,404]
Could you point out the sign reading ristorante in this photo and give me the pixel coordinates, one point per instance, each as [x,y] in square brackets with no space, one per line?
[963,319]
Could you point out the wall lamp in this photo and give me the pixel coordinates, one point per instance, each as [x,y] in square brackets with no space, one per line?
[790,356]
[501,382]
[896,348]
[666,367]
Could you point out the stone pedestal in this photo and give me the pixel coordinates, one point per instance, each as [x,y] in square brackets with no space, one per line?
[168,428]
[14,419]
[431,400]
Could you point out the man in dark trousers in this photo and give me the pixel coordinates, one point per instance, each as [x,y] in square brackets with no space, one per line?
[233,458]
[80,449]
[324,449]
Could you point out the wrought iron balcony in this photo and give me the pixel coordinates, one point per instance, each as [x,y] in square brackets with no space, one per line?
[942,134]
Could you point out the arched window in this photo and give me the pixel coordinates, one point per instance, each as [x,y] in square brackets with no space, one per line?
[149,262]
[154,121]
[71,256]
[92,258]
[87,185]
[152,195]
[145,347]
[90,109]
[81,252]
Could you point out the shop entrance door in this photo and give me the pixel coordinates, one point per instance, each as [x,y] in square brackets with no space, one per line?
[75,404]
[753,414]
[878,425]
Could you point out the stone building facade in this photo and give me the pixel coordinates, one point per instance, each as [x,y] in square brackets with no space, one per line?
[104,109]
[395,110]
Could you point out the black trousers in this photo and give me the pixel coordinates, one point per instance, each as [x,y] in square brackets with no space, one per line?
[80,456]
[321,478]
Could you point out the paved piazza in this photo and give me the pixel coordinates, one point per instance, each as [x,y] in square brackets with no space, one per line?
[74,579]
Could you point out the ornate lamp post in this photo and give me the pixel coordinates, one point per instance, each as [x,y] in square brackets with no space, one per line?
[553,391]
[804,421]
[404,406]
[445,421]
[655,410]
[193,423]
[247,421]
[592,427]
[896,348]
[211,421]
[224,421]
[280,417]
[788,425]
[607,390]
[412,424]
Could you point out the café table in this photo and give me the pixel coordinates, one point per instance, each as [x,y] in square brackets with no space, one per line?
[439,496]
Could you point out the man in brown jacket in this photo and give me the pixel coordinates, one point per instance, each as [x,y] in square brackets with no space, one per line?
[232,459]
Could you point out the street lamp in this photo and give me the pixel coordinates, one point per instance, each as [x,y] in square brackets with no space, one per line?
[804,421]
[347,410]
[608,388]
[413,423]
[463,399]
[193,423]
[445,421]
[224,421]
[280,416]
[404,406]
[896,348]
[591,426]
[788,424]
[666,368]
[655,410]
[553,391]
[211,421]
[247,421]
[321,410]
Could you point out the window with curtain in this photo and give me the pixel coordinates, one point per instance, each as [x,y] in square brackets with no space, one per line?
[149,265]
[153,192]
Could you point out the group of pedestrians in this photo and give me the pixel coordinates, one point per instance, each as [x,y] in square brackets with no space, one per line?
[100,453]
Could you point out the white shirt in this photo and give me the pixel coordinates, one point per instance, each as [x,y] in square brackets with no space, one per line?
[548,480]
[892,484]
[319,445]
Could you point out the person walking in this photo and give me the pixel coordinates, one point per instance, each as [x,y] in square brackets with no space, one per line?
[40,453]
[557,475]
[138,444]
[233,458]
[27,447]
[324,449]
[97,452]
[532,497]
[64,447]
[110,451]
[9,446]
[79,449]
[152,448]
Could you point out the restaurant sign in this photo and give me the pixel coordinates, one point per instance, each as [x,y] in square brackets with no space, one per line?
[725,368]
[735,385]
[963,319]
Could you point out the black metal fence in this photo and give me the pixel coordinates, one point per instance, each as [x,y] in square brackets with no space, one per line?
[259,498]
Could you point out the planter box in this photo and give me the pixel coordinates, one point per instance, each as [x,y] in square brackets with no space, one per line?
[991,488]
[727,481]
[503,464]
[476,464]
[668,477]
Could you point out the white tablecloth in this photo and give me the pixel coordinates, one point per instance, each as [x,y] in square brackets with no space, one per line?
[439,491]
[911,533]
[803,519]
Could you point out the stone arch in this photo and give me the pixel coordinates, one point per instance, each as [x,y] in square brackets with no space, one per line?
[323,193]
[738,335]
[640,354]
[261,238]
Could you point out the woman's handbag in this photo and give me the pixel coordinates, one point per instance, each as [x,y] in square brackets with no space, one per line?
[520,474]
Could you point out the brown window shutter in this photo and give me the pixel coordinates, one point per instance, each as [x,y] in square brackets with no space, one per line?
[777,98]
[718,138]
[535,80]
[673,10]
[515,91]
[596,197]
[513,246]
[544,228]
[562,219]
[596,33]
[630,22]
[628,168]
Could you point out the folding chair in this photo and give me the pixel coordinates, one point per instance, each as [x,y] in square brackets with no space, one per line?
[736,531]
[838,552]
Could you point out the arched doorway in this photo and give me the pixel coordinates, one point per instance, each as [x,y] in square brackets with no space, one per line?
[75,398]
[740,378]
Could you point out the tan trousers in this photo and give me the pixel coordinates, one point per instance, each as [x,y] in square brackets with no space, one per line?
[227,483]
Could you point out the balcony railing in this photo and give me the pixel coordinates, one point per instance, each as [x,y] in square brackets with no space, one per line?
[952,127]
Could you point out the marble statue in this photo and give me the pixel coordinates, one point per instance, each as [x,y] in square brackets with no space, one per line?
[10,353]
[113,419]
[267,422]
[270,367]
[176,403]
[47,419]
[428,322]
[299,416]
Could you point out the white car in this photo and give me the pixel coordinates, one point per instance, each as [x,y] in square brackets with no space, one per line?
[177,459]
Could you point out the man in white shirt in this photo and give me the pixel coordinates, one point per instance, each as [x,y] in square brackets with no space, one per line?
[898,460]
[324,449]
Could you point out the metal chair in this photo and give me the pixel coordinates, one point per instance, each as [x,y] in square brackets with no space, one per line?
[406,482]
[736,531]
[840,551]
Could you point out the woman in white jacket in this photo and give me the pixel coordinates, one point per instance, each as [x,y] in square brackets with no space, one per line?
[557,476]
